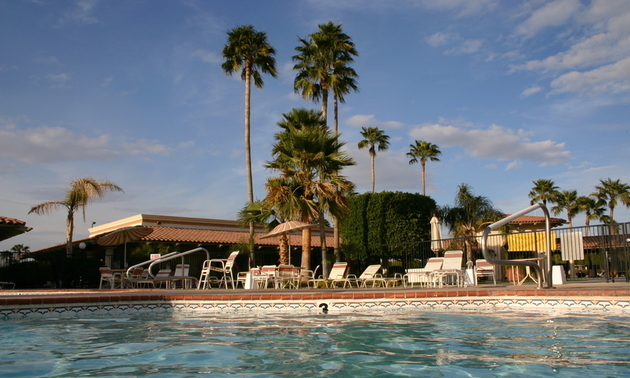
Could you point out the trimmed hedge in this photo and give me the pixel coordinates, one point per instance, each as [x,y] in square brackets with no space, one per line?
[382,223]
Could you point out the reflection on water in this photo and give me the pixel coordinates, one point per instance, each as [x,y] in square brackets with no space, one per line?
[356,345]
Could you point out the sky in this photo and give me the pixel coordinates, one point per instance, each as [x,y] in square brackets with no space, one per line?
[132,91]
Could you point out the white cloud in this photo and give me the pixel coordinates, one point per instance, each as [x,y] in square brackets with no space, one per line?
[462,8]
[56,144]
[441,39]
[612,78]
[469,46]
[82,13]
[207,56]
[365,120]
[555,13]
[530,91]
[495,142]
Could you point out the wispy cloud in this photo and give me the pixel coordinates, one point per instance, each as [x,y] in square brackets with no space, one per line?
[81,13]
[495,142]
[367,120]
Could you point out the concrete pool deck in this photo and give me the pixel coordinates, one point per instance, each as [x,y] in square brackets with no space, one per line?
[585,295]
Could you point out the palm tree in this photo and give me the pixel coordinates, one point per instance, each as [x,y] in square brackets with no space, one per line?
[469,216]
[373,138]
[610,192]
[309,158]
[567,200]
[421,152]
[322,65]
[594,210]
[544,190]
[260,213]
[248,51]
[81,192]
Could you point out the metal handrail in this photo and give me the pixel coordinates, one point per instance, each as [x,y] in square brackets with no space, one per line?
[175,255]
[131,268]
[531,264]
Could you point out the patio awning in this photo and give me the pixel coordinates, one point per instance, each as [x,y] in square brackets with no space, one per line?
[530,242]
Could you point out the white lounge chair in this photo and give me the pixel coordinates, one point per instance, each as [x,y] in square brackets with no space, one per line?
[370,274]
[451,271]
[338,272]
[484,269]
[422,276]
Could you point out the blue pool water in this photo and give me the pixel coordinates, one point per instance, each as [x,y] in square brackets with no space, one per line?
[358,345]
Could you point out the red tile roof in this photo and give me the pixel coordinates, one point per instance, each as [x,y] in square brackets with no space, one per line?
[193,235]
[5,220]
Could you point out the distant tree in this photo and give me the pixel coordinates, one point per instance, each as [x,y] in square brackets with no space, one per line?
[544,190]
[593,208]
[469,215]
[82,191]
[567,200]
[611,192]
[422,152]
[373,138]
[248,51]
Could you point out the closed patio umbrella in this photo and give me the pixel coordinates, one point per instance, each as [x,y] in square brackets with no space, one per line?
[124,235]
[436,235]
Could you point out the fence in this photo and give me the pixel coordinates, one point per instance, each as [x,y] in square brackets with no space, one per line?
[599,251]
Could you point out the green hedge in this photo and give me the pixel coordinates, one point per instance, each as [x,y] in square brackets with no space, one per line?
[381,223]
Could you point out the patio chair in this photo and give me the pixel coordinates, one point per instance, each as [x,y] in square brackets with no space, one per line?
[338,272]
[422,276]
[451,271]
[181,275]
[484,269]
[7,285]
[107,276]
[221,266]
[288,277]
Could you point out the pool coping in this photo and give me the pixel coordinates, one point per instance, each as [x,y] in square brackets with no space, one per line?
[582,296]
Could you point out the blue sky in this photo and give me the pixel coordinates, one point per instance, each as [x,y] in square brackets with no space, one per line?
[132,91]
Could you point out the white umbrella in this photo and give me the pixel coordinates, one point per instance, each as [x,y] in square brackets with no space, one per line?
[287,228]
[124,235]
[436,235]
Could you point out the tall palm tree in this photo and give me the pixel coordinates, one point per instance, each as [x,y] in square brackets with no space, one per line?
[322,64]
[594,210]
[81,192]
[544,190]
[248,51]
[373,138]
[309,158]
[567,200]
[611,192]
[469,216]
[422,152]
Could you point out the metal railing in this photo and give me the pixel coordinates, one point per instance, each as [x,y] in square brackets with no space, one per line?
[531,264]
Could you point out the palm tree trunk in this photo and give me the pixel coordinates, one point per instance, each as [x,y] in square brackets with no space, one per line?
[69,232]
[322,238]
[373,172]
[306,248]
[284,249]
[248,160]
[424,185]
[336,114]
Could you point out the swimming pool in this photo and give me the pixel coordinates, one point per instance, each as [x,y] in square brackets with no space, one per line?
[429,344]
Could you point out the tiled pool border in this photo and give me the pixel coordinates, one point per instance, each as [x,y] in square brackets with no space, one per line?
[18,305]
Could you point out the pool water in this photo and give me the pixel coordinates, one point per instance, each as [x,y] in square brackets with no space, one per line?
[416,344]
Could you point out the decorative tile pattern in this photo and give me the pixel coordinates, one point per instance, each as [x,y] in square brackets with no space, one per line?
[331,306]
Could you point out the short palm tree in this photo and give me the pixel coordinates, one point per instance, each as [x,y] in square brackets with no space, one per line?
[373,139]
[309,158]
[567,200]
[422,152]
[544,190]
[248,51]
[468,217]
[611,192]
[81,192]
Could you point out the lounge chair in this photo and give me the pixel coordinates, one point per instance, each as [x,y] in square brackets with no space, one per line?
[484,269]
[422,276]
[7,285]
[370,274]
[451,271]
[181,275]
[338,272]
